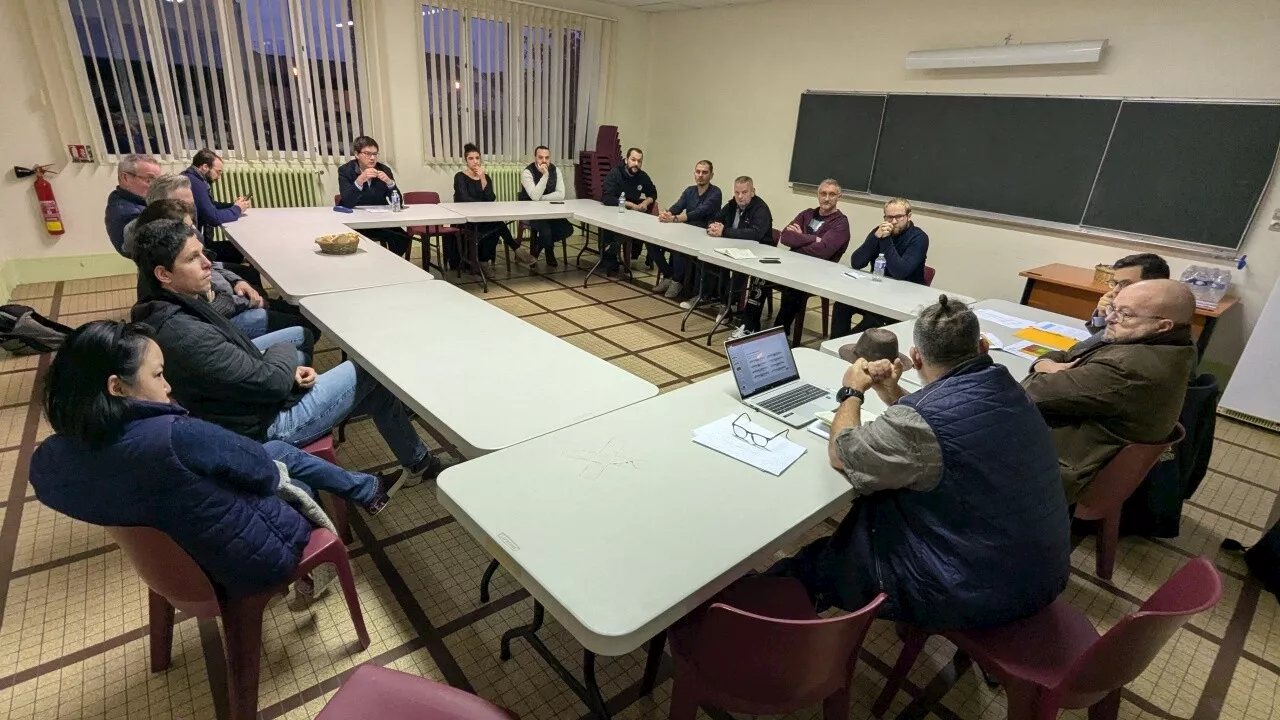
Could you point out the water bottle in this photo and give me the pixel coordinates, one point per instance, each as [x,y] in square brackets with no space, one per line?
[622,203]
[396,205]
[877,270]
[1218,286]
[1202,287]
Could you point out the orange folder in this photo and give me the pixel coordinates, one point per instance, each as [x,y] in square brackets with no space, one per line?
[1040,337]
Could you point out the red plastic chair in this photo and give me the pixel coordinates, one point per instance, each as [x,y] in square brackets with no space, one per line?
[424,233]
[1055,658]
[761,649]
[373,691]
[338,508]
[176,581]
[928,276]
[1114,483]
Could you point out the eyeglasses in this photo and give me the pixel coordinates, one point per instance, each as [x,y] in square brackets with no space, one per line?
[755,438]
[1119,284]
[366,153]
[896,218]
[828,194]
[1125,314]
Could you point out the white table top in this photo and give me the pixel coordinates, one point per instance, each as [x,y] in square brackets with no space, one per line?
[508,210]
[281,243]
[381,216]
[891,298]
[622,525]
[486,377]
[680,237]
[1018,365]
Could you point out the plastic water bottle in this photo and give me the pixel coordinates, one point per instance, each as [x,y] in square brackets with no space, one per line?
[1218,285]
[877,270]
[396,204]
[622,203]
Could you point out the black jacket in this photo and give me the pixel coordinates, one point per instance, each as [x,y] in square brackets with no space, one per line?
[216,372]
[756,223]
[619,183]
[374,192]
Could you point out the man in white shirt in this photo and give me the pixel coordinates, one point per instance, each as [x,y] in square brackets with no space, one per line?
[541,181]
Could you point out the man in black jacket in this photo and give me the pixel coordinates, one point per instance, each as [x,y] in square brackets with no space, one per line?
[629,185]
[262,390]
[365,181]
[745,217]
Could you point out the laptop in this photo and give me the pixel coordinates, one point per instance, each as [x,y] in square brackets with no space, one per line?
[768,380]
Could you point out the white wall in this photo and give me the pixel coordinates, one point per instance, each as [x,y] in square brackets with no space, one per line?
[35,95]
[754,61]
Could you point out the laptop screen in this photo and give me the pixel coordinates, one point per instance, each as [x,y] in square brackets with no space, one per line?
[762,361]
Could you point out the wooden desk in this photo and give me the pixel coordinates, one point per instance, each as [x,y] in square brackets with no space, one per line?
[1070,290]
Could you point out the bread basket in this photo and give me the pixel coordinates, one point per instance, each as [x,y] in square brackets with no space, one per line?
[340,244]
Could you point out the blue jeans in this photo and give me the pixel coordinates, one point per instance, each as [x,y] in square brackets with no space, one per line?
[311,473]
[295,336]
[339,393]
[252,321]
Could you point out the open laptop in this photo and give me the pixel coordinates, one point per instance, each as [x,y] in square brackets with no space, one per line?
[767,377]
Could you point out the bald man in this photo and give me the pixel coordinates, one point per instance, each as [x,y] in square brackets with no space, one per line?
[1102,395]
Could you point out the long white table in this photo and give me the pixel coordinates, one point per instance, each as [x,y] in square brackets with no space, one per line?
[281,243]
[1018,365]
[621,526]
[509,210]
[465,365]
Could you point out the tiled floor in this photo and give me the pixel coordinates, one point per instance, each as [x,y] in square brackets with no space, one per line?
[73,633]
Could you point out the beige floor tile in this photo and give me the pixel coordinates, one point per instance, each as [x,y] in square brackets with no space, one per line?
[16,388]
[476,288]
[595,345]
[78,319]
[695,328]
[552,323]
[10,363]
[443,568]
[46,535]
[594,317]
[101,284]
[642,369]
[647,307]
[637,336]
[96,302]
[611,291]
[517,306]
[686,359]
[530,284]
[561,299]
[22,293]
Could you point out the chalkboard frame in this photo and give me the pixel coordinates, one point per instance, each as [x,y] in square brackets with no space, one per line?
[1075,229]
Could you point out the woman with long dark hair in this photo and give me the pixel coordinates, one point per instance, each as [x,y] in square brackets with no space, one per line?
[125,455]
[472,184]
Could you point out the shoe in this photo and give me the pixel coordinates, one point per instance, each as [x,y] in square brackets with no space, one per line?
[739,332]
[524,258]
[612,272]
[551,260]
[435,465]
[687,305]
[662,285]
[389,484]
[673,290]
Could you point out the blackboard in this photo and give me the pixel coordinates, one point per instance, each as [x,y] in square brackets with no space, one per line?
[1030,157]
[836,138]
[1188,171]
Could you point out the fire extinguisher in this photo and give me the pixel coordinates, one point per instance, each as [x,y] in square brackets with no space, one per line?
[44,194]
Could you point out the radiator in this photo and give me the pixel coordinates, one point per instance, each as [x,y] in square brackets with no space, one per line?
[505,179]
[271,187]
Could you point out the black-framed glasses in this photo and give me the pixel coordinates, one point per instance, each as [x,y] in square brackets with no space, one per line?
[755,438]
[1119,284]
[368,154]
[1125,314]
[896,218]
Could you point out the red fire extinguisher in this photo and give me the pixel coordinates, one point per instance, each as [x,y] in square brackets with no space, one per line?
[44,193]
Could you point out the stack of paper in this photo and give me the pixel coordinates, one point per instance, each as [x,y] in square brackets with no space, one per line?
[1000,318]
[774,459]
[737,253]
[1054,335]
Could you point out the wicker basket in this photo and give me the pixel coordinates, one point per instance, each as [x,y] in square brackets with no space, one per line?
[1102,274]
[341,244]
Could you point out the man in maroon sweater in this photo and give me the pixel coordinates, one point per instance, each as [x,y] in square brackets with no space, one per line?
[821,232]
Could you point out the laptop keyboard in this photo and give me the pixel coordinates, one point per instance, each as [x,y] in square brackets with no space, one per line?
[792,399]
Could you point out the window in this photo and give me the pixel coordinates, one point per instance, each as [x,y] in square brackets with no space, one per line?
[282,81]
[510,77]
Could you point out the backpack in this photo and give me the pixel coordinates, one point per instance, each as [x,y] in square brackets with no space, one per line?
[23,331]
[1263,558]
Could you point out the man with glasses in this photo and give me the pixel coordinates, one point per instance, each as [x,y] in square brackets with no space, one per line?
[1125,387]
[958,512]
[904,246]
[365,181]
[133,178]
[1128,270]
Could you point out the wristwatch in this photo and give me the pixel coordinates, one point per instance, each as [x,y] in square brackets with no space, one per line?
[846,392]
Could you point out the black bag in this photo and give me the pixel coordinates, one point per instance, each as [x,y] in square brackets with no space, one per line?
[23,331]
[1263,558]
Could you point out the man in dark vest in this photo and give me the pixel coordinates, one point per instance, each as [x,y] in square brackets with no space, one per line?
[959,515]
[542,181]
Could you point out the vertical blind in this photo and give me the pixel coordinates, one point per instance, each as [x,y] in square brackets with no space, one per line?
[510,77]
[250,79]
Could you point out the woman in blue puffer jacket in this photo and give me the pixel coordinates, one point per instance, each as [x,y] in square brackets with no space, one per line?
[124,454]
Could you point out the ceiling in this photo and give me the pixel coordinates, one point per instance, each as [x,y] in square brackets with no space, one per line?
[656,6]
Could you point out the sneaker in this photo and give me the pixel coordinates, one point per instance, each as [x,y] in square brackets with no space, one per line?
[435,465]
[612,272]
[551,260]
[662,285]
[739,332]
[687,305]
[389,484]
[673,290]
[524,258]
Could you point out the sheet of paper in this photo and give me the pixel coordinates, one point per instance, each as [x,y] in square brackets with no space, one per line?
[774,459]
[856,275]
[1075,333]
[822,430]
[1000,318]
[737,253]
[993,341]
[1027,349]
[376,209]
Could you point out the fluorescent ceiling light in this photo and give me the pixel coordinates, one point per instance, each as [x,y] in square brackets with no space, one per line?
[1055,53]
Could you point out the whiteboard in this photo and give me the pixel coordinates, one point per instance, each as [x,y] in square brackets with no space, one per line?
[1253,390]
